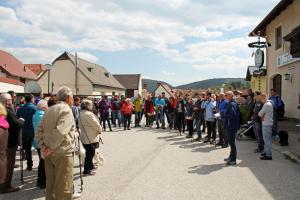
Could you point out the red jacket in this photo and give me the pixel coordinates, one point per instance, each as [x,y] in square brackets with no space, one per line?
[127,109]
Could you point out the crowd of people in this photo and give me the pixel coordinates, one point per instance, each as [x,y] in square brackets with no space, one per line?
[53,124]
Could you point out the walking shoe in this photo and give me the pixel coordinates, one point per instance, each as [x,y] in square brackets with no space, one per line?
[226,159]
[163,127]
[219,144]
[231,163]
[76,195]
[29,168]
[91,173]
[206,141]
[225,146]
[198,139]
[189,136]
[258,150]
[266,158]
[212,142]
[263,154]
[10,190]
[129,129]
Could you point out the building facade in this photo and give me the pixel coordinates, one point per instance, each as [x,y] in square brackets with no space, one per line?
[283,70]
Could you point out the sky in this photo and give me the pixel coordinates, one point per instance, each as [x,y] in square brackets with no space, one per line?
[177,41]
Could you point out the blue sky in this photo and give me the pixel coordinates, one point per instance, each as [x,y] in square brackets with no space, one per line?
[177,41]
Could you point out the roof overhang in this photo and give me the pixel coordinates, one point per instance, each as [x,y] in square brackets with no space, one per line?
[261,27]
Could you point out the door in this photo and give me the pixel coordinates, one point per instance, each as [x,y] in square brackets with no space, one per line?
[277,84]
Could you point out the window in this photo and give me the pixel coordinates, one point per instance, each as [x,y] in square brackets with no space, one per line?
[278,38]
[89,69]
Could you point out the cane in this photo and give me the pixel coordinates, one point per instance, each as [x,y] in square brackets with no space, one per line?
[80,164]
[21,122]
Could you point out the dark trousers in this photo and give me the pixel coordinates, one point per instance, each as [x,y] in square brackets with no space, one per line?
[211,129]
[203,123]
[27,144]
[127,119]
[89,154]
[257,128]
[174,120]
[190,127]
[231,141]
[11,159]
[170,119]
[104,119]
[180,121]
[41,180]
[223,138]
[138,118]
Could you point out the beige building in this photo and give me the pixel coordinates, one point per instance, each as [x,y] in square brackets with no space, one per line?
[257,83]
[281,29]
[132,84]
[88,79]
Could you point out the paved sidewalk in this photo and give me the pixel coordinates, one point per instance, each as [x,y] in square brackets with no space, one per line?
[151,164]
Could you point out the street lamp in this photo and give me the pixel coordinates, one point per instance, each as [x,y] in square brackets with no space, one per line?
[48,68]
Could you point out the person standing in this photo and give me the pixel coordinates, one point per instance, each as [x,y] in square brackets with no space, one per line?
[42,107]
[257,122]
[278,108]
[138,104]
[210,106]
[3,146]
[90,127]
[26,112]
[202,114]
[231,124]
[180,110]
[159,110]
[149,110]
[116,111]
[104,106]
[170,112]
[189,116]
[127,109]
[12,144]
[197,115]
[163,96]
[55,136]
[266,114]
[76,109]
[221,105]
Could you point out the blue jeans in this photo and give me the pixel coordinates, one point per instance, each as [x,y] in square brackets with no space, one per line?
[198,126]
[160,118]
[138,118]
[231,140]
[267,135]
[116,115]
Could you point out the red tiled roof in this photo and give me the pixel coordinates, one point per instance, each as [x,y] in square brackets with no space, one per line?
[14,67]
[10,81]
[36,68]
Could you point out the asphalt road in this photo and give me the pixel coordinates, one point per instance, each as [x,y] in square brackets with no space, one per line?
[151,164]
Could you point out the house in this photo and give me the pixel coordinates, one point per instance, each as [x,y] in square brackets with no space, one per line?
[257,81]
[38,69]
[88,79]
[281,29]
[163,88]
[131,82]
[14,75]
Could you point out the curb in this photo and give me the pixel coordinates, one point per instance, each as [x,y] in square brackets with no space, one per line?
[288,155]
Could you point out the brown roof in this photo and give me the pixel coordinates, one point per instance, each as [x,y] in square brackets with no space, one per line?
[98,75]
[281,6]
[36,68]
[14,67]
[10,81]
[129,81]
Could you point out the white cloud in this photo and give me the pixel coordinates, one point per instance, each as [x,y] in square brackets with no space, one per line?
[87,56]
[167,73]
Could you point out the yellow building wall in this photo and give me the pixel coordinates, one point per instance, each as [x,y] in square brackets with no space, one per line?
[259,83]
[288,20]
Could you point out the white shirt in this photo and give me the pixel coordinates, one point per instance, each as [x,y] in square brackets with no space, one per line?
[266,113]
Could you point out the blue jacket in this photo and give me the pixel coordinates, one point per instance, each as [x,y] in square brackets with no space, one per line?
[160,102]
[276,101]
[222,107]
[26,112]
[37,118]
[232,116]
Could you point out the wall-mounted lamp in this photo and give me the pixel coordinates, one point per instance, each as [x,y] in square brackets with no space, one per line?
[287,76]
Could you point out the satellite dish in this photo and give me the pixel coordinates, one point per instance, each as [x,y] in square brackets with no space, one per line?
[32,87]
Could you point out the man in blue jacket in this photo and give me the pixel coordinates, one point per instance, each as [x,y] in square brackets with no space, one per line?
[221,107]
[231,125]
[26,112]
[159,110]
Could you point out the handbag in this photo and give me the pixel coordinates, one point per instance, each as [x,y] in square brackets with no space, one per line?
[94,145]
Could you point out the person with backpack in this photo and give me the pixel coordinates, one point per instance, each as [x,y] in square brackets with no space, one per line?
[231,124]
[278,106]
[116,111]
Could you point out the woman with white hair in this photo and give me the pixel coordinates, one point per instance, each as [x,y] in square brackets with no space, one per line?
[90,128]
[42,106]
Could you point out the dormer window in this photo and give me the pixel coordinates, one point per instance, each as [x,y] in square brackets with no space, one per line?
[89,69]
[106,74]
